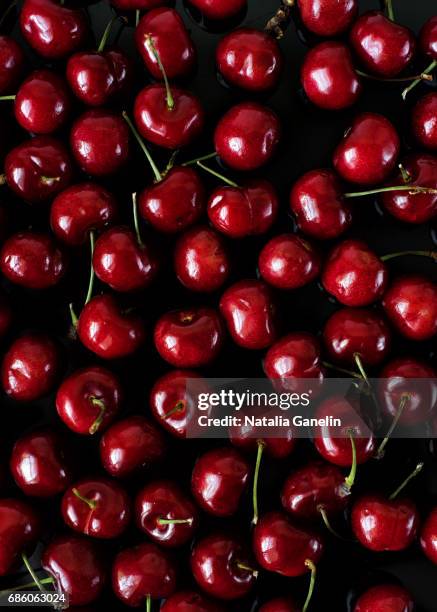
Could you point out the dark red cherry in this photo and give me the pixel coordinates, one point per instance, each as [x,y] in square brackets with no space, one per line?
[250,312]
[32,260]
[189,338]
[20,528]
[39,465]
[80,209]
[219,9]
[424,121]
[99,141]
[245,437]
[280,604]
[369,150]
[131,444]
[190,601]
[428,536]
[327,17]
[165,513]
[221,567]
[329,78]
[220,477]
[250,59]
[171,40]
[38,169]
[30,367]
[11,64]
[411,305]
[201,260]
[385,597]
[89,399]
[247,136]
[428,38]
[107,331]
[288,262]
[96,507]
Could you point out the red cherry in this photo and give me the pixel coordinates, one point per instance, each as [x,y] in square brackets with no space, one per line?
[189,338]
[165,514]
[219,9]
[428,37]
[96,507]
[201,260]
[280,604]
[247,136]
[369,150]
[250,59]
[329,78]
[327,17]
[385,598]
[89,399]
[108,332]
[288,262]
[30,367]
[411,305]
[244,437]
[220,477]
[129,445]
[11,64]
[249,310]
[424,121]
[19,529]
[38,464]
[428,536]
[220,567]
[189,601]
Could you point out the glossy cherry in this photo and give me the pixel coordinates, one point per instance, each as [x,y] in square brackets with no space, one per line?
[11,64]
[190,601]
[428,38]
[428,536]
[219,9]
[391,597]
[20,528]
[424,121]
[327,17]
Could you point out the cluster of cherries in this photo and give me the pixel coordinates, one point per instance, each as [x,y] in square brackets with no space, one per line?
[42,171]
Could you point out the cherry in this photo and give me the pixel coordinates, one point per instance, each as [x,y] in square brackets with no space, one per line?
[428,46]
[247,136]
[99,141]
[19,530]
[89,399]
[165,514]
[38,169]
[411,305]
[201,260]
[327,17]
[219,9]
[11,63]
[76,566]
[32,260]
[424,121]
[189,338]
[220,477]
[428,536]
[107,331]
[30,367]
[369,150]
[79,209]
[189,601]
[288,262]
[328,76]
[250,59]
[249,310]
[39,465]
[129,445]
[219,564]
[170,39]
[51,29]
[96,507]
[390,597]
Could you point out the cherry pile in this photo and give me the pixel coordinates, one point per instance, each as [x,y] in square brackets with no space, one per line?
[180,198]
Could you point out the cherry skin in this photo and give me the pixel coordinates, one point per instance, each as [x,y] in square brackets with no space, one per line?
[96,507]
[244,437]
[316,201]
[411,305]
[201,260]
[51,29]
[164,500]
[354,274]
[75,564]
[20,528]
[424,121]
[220,477]
[189,338]
[79,209]
[247,136]
[219,566]
[369,150]
[108,332]
[11,64]
[129,445]
[329,78]
[327,17]
[428,37]
[38,464]
[99,141]
[171,40]
[428,536]
[89,399]
[38,169]
[280,604]
[30,367]
[288,262]
[383,597]
[219,9]
[250,313]
[250,59]
[249,210]
[189,601]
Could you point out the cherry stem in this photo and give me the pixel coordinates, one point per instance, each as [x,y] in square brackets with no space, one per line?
[419,77]
[92,274]
[105,36]
[2,179]
[217,174]
[162,521]
[350,479]
[412,189]
[179,406]
[136,221]
[259,453]
[73,316]
[169,96]
[32,572]
[278,23]
[325,519]
[7,11]
[47,180]
[102,409]
[413,474]
[191,162]
[331,366]
[360,367]
[404,399]
[146,151]
[28,585]
[148,603]
[310,565]
[406,176]
[427,70]
[89,502]
[432,254]
[389,10]
[247,568]
[7,97]
[137,17]
[170,163]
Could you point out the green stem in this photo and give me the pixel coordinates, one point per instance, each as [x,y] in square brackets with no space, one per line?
[7,97]
[413,189]
[247,568]
[328,526]
[48,180]
[406,176]
[92,274]
[178,407]
[389,10]
[105,36]
[92,505]
[102,408]
[350,479]
[136,221]
[413,474]
[260,449]
[148,603]
[360,367]
[162,521]
[404,399]
[310,565]
[420,77]
[169,96]
[170,162]
[191,162]
[427,70]
[32,572]
[432,254]
[331,366]
[146,151]
[26,586]
[7,11]
[137,17]
[74,319]
[217,174]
